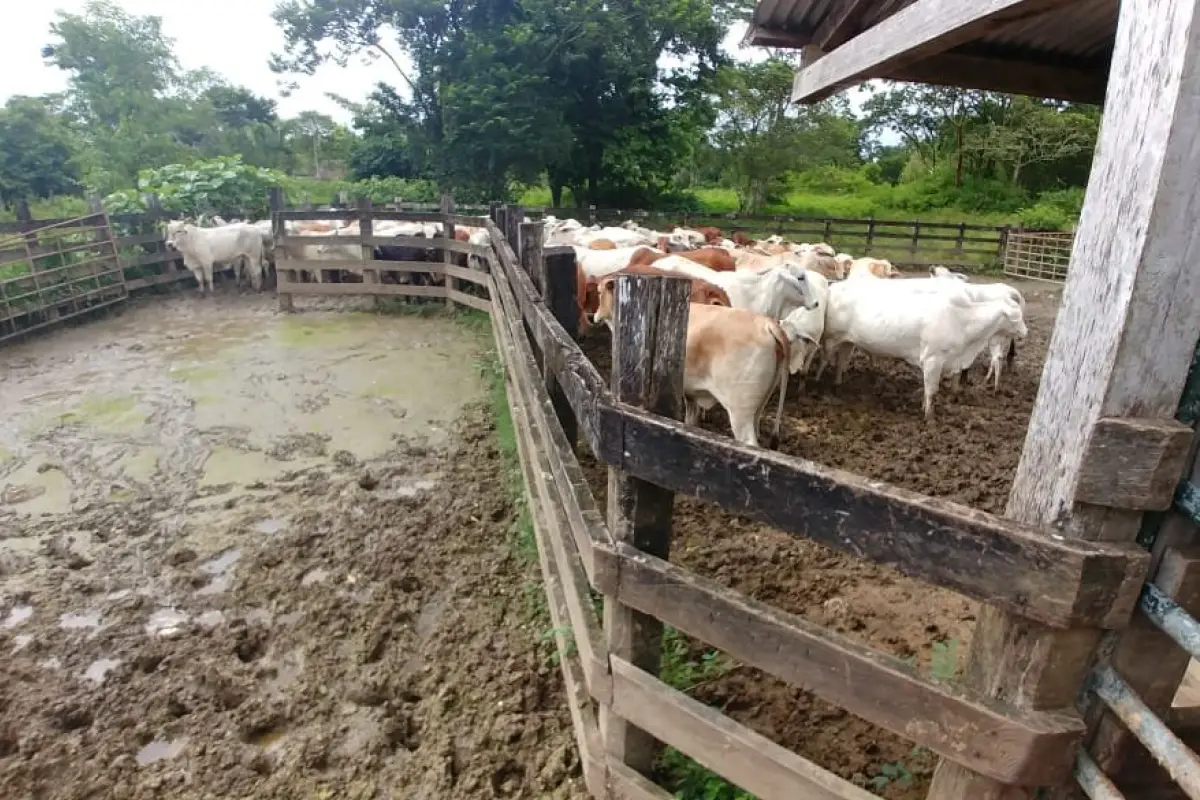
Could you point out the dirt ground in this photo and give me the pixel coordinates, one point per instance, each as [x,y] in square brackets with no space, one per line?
[245,554]
[872,425]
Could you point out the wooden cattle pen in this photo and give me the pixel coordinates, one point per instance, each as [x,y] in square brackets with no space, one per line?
[1110,454]
[1038,255]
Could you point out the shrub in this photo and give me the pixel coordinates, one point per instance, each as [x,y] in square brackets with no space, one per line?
[217,184]
[1045,217]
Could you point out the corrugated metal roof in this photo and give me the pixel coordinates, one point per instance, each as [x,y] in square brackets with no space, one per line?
[1082,31]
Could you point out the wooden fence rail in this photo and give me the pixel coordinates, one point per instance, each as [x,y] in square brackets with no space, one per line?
[619,707]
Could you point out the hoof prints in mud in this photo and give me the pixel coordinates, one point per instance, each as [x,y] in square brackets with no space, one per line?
[372,645]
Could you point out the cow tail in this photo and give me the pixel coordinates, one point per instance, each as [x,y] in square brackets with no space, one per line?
[783,358]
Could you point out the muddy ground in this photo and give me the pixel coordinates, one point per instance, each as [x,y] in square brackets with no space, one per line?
[245,554]
[872,425]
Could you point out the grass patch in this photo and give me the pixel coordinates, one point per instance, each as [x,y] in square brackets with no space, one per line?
[684,670]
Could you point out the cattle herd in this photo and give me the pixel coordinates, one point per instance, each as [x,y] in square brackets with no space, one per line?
[761,310]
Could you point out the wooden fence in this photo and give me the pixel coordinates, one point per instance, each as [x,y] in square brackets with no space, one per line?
[909,243]
[620,709]
[52,273]
[1039,255]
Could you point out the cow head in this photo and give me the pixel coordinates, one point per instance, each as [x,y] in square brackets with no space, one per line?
[176,233]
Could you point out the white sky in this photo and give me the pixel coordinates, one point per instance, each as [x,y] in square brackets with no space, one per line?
[204,37]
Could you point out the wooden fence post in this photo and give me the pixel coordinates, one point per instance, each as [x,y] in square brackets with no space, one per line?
[494,213]
[447,207]
[282,277]
[558,290]
[591,215]
[870,234]
[513,215]
[916,238]
[529,257]
[650,325]
[960,242]
[366,228]
[1124,351]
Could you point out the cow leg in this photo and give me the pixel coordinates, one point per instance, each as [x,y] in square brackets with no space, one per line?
[932,372]
[744,422]
[254,267]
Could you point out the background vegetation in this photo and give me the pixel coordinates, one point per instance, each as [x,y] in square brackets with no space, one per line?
[543,102]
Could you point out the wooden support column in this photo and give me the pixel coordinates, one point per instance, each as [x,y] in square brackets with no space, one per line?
[366,229]
[1122,346]
[528,247]
[650,327]
[513,214]
[447,208]
[282,277]
[558,291]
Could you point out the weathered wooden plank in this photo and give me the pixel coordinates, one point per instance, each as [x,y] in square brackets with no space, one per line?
[1056,581]
[321,215]
[417,242]
[925,28]
[1133,463]
[558,277]
[553,528]
[465,274]
[358,265]
[1077,85]
[1123,341]
[467,220]
[650,326]
[587,524]
[348,240]
[1013,746]
[627,784]
[587,737]
[477,303]
[365,289]
[733,751]
[133,284]
[141,238]
[408,216]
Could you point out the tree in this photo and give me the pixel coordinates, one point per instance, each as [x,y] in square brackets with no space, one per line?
[762,136]
[931,119]
[36,158]
[566,80]
[314,127]
[1032,132]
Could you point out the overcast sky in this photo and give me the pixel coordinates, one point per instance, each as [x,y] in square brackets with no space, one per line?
[204,37]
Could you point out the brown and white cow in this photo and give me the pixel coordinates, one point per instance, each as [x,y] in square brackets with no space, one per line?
[733,357]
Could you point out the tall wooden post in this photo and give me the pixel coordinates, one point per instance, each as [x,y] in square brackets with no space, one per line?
[366,229]
[447,208]
[1121,349]
[650,326]
[494,212]
[558,290]
[513,215]
[282,277]
[529,255]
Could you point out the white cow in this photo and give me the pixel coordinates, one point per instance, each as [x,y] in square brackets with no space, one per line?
[773,292]
[203,247]
[941,332]
[805,327]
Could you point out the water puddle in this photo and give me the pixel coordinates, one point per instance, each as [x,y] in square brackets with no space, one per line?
[317,575]
[210,619]
[99,668]
[165,622]
[221,568]
[270,526]
[17,615]
[75,622]
[160,749]
[410,490]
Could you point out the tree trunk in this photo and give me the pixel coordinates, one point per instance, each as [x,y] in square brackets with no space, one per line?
[556,190]
[316,157]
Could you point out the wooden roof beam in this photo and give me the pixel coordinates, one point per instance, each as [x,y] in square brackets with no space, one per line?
[1003,75]
[924,29]
[840,23]
[773,37]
